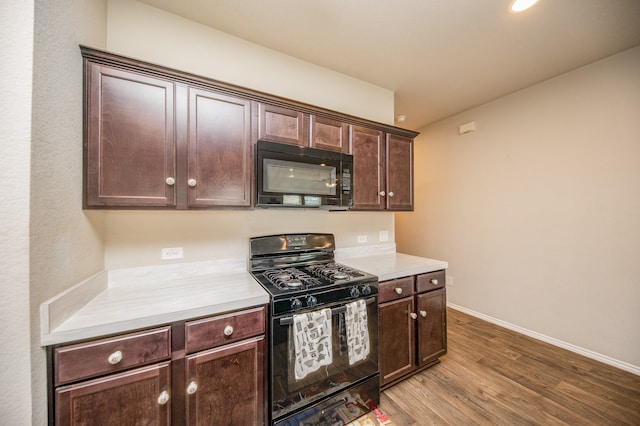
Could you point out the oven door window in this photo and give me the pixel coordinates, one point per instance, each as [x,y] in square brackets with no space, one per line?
[281,176]
[290,393]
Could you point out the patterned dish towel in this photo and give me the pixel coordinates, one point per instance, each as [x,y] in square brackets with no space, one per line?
[357,331]
[312,341]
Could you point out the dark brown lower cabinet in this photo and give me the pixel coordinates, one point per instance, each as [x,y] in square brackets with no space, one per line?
[412,326]
[432,331]
[207,371]
[397,339]
[139,396]
[225,385]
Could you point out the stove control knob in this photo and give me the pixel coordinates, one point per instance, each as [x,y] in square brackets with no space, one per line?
[312,301]
[296,304]
[355,292]
[366,290]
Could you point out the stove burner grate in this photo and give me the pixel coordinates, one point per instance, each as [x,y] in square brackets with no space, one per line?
[334,271]
[290,278]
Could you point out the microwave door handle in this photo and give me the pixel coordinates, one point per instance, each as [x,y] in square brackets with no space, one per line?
[334,311]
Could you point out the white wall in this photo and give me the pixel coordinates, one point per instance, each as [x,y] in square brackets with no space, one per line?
[136,237]
[538,210]
[16,34]
[65,244]
[144,32]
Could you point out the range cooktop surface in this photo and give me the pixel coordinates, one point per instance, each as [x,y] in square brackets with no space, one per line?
[299,272]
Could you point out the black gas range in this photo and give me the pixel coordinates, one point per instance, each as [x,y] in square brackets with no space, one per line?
[323,344]
[299,272]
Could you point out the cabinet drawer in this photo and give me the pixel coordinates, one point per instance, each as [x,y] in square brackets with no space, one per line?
[430,281]
[396,289]
[210,332]
[91,359]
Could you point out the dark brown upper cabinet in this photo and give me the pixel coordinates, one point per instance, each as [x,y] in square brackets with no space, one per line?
[367,148]
[383,170]
[399,170]
[162,138]
[332,135]
[282,125]
[157,143]
[219,150]
[130,146]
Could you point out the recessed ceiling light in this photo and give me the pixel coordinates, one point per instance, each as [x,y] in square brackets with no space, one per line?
[401,118]
[521,5]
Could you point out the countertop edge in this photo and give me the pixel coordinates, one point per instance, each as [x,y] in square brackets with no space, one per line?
[127,326]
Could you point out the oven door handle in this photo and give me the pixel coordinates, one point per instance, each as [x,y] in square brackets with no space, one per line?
[334,311]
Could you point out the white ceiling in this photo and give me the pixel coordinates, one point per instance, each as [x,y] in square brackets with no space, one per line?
[440,57]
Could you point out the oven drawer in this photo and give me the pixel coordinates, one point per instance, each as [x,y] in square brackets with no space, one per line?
[430,281]
[210,332]
[109,355]
[395,289]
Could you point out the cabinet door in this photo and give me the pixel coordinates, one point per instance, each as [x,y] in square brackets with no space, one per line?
[397,339]
[130,142]
[136,397]
[282,125]
[432,326]
[329,134]
[219,152]
[399,173]
[226,385]
[367,148]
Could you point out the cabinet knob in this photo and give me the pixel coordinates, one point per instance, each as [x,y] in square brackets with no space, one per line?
[228,330]
[382,193]
[413,315]
[163,398]
[115,357]
[423,314]
[170,181]
[191,182]
[192,388]
[390,193]
[434,281]
[398,290]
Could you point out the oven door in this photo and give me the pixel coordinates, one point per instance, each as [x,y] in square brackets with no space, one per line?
[293,390]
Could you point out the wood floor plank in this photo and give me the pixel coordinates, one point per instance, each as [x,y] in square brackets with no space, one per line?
[495,376]
[513,396]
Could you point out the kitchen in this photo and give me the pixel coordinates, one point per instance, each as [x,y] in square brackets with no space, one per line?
[70,244]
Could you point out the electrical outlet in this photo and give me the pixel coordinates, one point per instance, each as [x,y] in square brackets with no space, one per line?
[172,253]
[362,238]
[449,280]
[383,236]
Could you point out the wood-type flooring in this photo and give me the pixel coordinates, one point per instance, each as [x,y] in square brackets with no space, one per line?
[495,376]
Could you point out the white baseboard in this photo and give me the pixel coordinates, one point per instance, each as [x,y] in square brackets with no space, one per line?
[573,348]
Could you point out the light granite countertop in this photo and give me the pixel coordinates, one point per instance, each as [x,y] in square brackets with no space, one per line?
[386,263]
[122,300]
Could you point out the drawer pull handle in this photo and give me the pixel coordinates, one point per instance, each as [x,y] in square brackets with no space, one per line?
[170,181]
[115,357]
[413,315]
[423,314]
[398,290]
[191,182]
[382,193]
[390,193]
[192,388]
[228,330]
[434,281]
[163,398]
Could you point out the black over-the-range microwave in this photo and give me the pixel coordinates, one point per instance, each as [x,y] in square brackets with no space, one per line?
[295,176]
